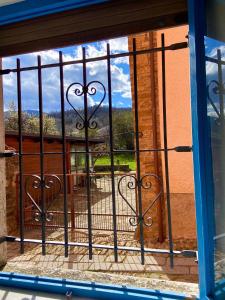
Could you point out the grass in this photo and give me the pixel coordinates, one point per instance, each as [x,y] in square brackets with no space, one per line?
[122,159]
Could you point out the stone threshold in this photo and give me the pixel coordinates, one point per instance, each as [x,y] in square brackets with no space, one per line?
[189,289]
[20,294]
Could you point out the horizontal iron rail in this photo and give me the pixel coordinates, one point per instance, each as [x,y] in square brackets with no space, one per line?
[7,153]
[186,253]
[53,227]
[80,213]
[172,47]
[176,149]
[215,60]
[4,239]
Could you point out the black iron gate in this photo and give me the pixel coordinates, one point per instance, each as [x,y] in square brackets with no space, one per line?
[39,207]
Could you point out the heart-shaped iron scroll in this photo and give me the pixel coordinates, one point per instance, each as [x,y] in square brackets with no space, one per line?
[79,90]
[144,183]
[217,89]
[52,183]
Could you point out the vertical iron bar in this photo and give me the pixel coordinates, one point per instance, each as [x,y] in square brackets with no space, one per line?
[21,199]
[166,161]
[43,215]
[222,120]
[140,217]
[220,80]
[111,154]
[87,165]
[64,154]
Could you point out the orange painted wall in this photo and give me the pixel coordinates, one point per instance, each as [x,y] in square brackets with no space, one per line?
[178,109]
[178,126]
[179,132]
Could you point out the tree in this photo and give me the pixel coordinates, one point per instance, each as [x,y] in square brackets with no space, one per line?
[123,130]
[30,122]
[11,118]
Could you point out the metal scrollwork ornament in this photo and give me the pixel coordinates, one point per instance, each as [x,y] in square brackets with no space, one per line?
[77,89]
[144,183]
[49,182]
[216,88]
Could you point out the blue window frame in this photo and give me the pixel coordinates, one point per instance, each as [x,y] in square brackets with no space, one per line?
[202,161]
[201,150]
[84,289]
[207,140]
[19,10]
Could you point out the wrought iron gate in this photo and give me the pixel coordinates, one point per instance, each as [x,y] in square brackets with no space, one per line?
[101,202]
[35,190]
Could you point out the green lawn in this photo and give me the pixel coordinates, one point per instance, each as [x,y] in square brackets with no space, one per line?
[123,159]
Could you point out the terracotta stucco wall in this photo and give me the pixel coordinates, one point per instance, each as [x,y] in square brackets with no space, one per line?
[179,127]
[179,133]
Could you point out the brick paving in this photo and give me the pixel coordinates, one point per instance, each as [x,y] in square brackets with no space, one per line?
[185,269]
[101,205]
[157,266]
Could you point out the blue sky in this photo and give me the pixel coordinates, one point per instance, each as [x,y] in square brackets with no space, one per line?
[121,87]
[211,46]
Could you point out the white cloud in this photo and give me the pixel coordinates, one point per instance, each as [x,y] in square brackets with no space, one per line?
[212,68]
[212,75]
[119,44]
[213,52]
[8,81]
[72,73]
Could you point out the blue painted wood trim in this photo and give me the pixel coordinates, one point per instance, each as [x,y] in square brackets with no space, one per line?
[84,289]
[201,149]
[31,9]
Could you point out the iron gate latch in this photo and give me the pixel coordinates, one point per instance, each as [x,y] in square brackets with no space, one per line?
[183,149]
[190,253]
[4,239]
[5,72]
[7,153]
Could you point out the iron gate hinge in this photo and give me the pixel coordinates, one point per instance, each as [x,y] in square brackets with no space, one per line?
[190,253]
[5,72]
[4,239]
[183,149]
[7,153]
[178,46]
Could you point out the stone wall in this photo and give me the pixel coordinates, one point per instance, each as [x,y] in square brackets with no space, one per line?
[149,138]
[179,133]
[11,195]
[2,183]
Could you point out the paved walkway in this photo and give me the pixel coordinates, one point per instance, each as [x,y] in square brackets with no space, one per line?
[101,205]
[156,266]
[102,268]
[129,263]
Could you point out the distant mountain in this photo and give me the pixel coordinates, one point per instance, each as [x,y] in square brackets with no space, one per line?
[101,116]
[32,112]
